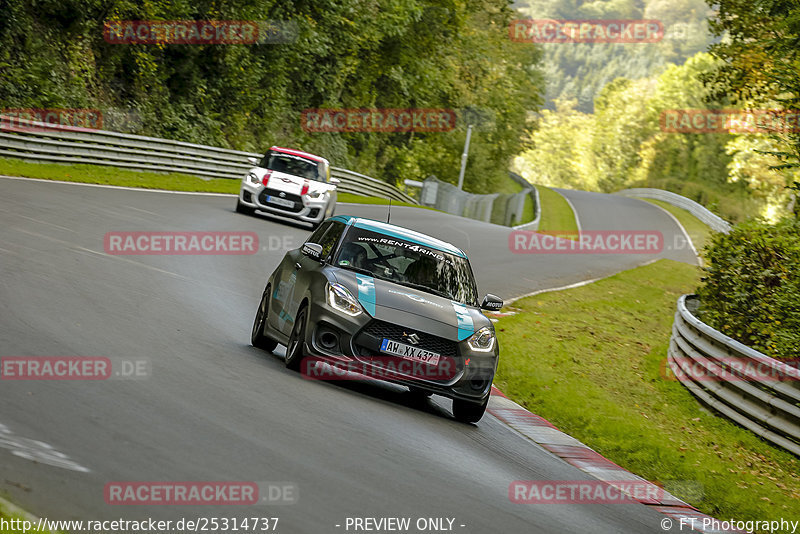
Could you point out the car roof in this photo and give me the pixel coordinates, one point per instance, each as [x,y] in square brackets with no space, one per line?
[298,153]
[400,233]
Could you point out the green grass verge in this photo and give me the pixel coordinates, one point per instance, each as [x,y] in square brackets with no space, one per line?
[590,360]
[527,212]
[7,515]
[99,174]
[358,199]
[557,215]
[698,231]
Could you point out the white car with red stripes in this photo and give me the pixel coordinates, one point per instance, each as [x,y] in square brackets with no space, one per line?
[290,183]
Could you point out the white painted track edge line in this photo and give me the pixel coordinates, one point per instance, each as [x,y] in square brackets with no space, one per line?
[574,211]
[685,233]
[12,509]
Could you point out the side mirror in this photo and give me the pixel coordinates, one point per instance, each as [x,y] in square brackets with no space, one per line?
[491,302]
[253,161]
[335,181]
[312,250]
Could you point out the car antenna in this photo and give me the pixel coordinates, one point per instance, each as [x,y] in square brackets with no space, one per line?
[389,213]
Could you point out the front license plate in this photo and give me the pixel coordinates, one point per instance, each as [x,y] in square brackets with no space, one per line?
[409,352]
[280,201]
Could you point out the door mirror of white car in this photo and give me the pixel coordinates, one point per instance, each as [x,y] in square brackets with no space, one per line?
[335,181]
[253,161]
[312,250]
[491,302]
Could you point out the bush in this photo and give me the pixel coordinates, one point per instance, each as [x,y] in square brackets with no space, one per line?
[751,290]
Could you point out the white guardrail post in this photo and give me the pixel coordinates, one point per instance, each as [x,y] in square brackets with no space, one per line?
[43,142]
[757,392]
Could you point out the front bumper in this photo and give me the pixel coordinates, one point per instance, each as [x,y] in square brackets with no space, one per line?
[310,210]
[348,344]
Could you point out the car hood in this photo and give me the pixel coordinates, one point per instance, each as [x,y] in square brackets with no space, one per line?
[398,304]
[290,183]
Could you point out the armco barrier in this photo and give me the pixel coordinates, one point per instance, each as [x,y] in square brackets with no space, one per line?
[499,208]
[700,357]
[533,193]
[715,222]
[38,141]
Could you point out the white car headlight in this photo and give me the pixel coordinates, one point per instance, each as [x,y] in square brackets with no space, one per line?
[482,340]
[315,194]
[253,179]
[340,298]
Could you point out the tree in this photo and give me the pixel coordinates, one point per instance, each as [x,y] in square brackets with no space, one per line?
[760,60]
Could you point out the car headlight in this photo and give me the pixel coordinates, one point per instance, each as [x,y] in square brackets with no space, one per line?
[482,340]
[340,298]
[252,178]
[315,194]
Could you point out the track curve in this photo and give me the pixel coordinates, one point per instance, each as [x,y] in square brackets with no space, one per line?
[215,408]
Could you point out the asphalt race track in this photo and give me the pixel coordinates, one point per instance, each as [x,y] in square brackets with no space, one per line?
[213,408]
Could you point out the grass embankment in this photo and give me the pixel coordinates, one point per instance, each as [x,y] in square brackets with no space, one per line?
[592,359]
[100,174]
[510,187]
[557,214]
[697,230]
[6,516]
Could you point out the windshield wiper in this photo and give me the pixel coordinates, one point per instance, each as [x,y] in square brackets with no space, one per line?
[422,287]
[412,285]
[367,272]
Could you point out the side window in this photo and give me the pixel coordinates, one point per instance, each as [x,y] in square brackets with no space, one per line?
[316,235]
[331,237]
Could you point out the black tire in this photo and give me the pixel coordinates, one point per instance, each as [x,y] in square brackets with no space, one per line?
[241,208]
[257,337]
[469,412]
[294,349]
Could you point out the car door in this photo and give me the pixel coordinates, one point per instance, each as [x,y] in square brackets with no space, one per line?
[285,284]
[307,270]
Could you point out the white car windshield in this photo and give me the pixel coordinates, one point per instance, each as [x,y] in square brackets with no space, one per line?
[291,164]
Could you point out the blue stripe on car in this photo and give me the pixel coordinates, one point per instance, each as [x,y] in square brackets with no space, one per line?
[465,326]
[366,292]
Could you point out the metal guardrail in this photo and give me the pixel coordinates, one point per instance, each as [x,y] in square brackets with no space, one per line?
[361,184]
[43,142]
[715,222]
[534,195]
[499,208]
[715,367]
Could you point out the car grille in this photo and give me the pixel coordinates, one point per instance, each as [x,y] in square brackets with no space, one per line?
[298,202]
[439,345]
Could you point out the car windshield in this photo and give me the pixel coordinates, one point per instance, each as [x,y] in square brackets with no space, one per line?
[409,264]
[291,164]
